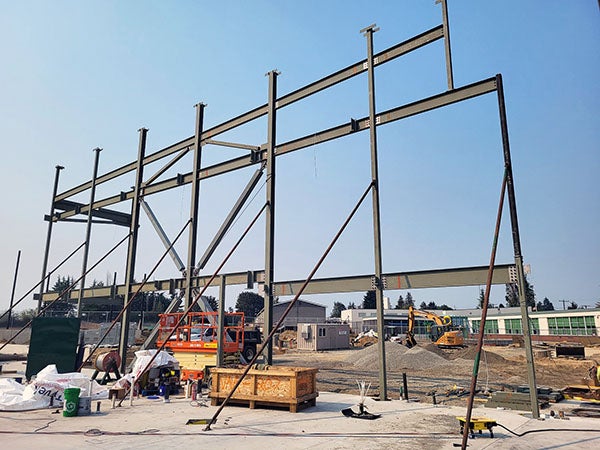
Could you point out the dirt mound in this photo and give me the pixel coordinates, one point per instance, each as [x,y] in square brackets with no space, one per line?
[470,352]
[438,351]
[398,357]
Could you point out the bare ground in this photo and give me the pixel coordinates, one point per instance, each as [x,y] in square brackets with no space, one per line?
[429,369]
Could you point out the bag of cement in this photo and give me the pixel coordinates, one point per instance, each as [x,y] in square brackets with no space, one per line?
[46,390]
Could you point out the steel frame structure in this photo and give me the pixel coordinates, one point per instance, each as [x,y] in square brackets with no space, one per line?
[63,209]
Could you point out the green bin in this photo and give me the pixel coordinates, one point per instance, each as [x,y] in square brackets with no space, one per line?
[70,402]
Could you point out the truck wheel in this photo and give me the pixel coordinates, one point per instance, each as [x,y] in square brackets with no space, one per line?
[249,353]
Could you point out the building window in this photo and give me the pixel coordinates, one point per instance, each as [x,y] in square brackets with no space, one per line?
[578,325]
[513,326]
[491,326]
[590,326]
[322,332]
[534,326]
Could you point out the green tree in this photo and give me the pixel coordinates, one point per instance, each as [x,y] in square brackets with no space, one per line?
[63,287]
[212,302]
[423,305]
[481,299]
[337,309]
[546,305]
[573,305]
[409,300]
[249,303]
[432,305]
[369,300]
[400,303]
[23,317]
[97,284]
[512,294]
[351,305]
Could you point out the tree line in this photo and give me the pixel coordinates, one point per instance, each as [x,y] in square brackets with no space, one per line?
[511,299]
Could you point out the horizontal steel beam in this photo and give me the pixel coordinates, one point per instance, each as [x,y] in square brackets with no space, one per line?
[116,217]
[421,106]
[466,276]
[428,104]
[355,69]
[453,277]
[231,144]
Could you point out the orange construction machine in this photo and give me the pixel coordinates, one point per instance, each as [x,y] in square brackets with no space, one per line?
[194,342]
[443,333]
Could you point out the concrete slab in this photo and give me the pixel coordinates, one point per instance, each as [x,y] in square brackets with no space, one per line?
[152,424]
[403,425]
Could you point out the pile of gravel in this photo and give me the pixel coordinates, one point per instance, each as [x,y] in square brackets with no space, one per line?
[398,357]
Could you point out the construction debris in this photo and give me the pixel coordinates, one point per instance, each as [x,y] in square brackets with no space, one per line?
[365,339]
[363,389]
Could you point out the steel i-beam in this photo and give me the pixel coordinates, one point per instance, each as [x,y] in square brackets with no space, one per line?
[368,32]
[88,231]
[132,248]
[48,239]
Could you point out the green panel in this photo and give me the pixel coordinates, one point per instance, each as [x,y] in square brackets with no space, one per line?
[513,326]
[53,341]
[590,326]
[553,327]
[534,326]
[491,326]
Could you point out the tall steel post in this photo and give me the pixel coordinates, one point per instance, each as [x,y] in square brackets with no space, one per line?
[368,32]
[270,212]
[88,230]
[512,203]
[48,238]
[447,43]
[12,294]
[221,322]
[194,202]
[132,248]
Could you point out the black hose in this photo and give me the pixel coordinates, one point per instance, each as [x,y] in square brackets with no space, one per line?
[545,430]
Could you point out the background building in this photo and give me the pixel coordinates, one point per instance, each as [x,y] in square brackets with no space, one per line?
[323,336]
[302,312]
[501,323]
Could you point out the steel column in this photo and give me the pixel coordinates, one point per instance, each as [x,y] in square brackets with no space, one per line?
[447,43]
[48,238]
[88,230]
[194,202]
[512,204]
[12,294]
[221,321]
[270,213]
[368,32]
[132,248]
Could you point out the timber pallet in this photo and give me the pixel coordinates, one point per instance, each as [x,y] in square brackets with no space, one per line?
[512,400]
[271,404]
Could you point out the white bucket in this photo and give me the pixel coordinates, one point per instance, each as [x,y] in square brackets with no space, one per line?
[85,406]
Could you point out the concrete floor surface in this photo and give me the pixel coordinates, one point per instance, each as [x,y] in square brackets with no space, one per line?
[403,425]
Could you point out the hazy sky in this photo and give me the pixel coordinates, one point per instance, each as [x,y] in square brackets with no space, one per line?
[79,75]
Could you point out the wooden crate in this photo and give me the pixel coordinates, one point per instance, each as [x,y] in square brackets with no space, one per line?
[293,388]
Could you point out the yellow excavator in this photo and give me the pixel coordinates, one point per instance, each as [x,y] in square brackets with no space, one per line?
[443,333]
